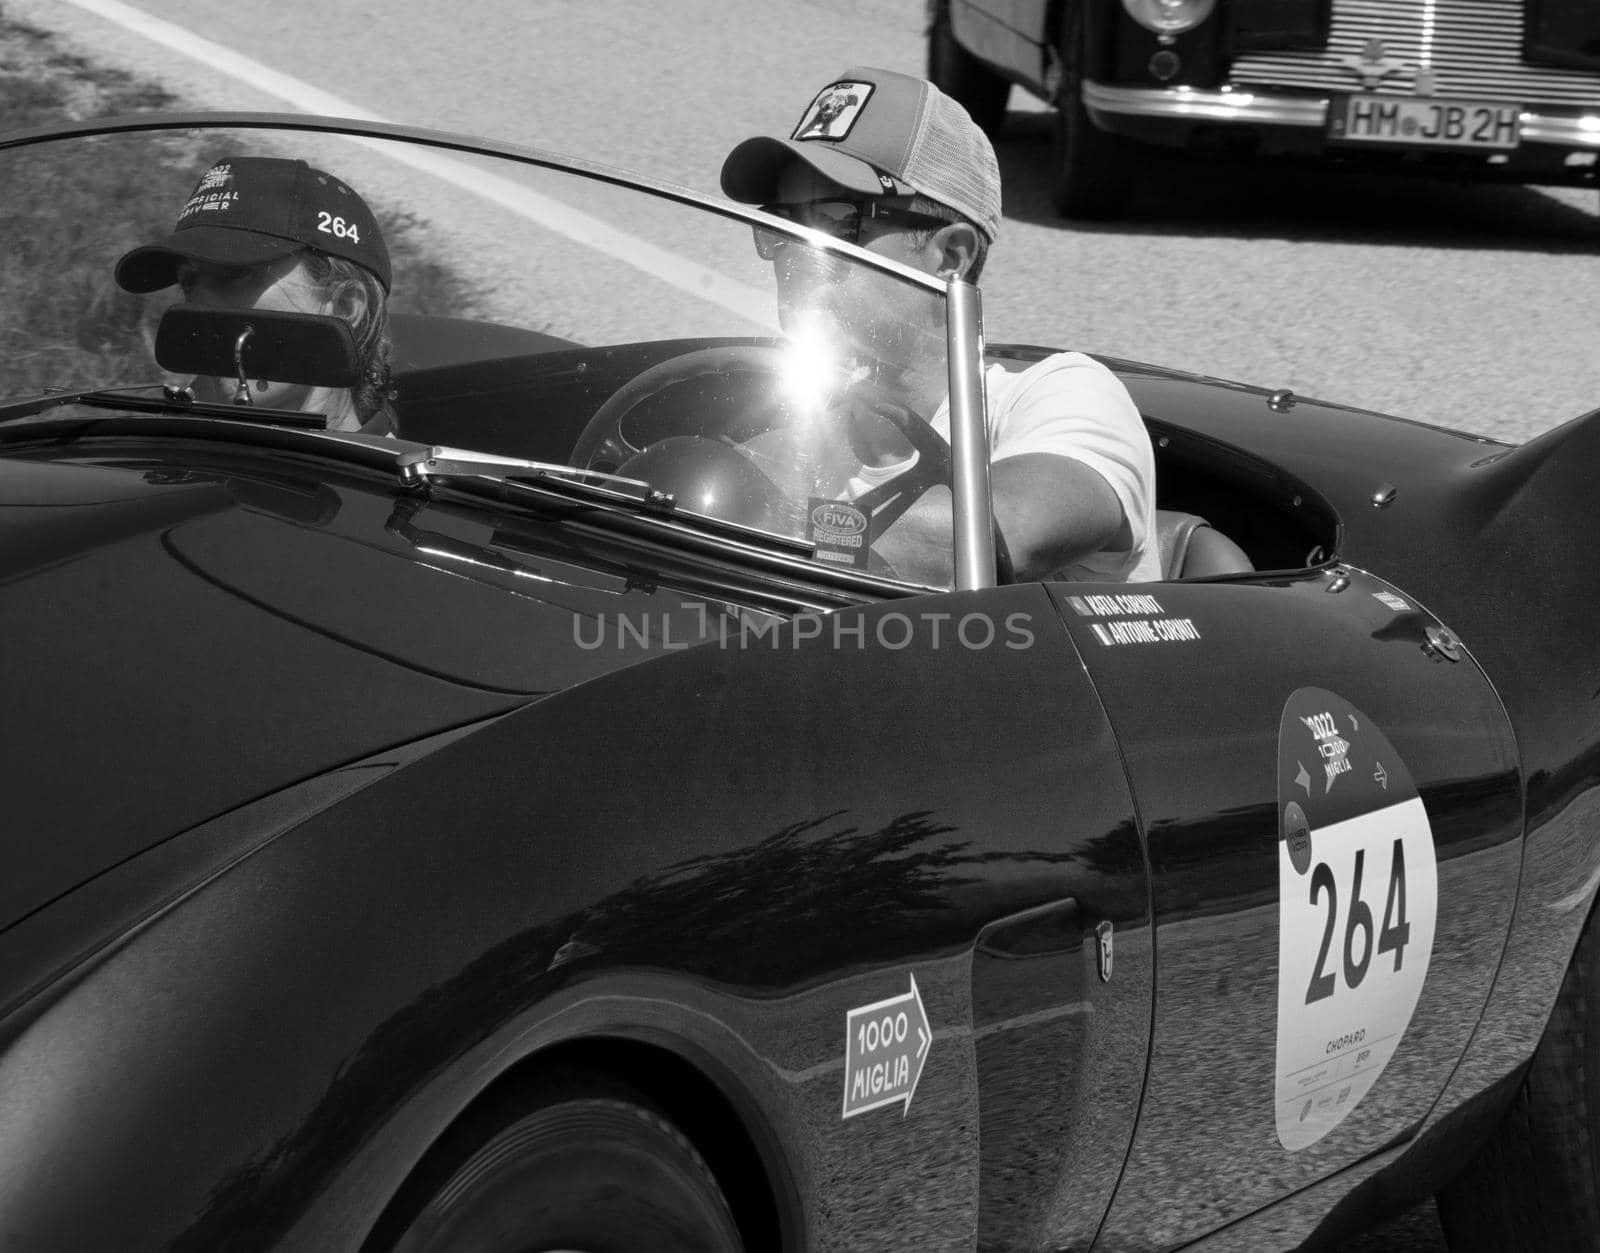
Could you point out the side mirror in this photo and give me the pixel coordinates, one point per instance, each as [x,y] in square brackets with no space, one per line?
[311,349]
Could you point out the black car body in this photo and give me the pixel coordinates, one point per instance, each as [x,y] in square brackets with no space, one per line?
[401,833]
[1504,90]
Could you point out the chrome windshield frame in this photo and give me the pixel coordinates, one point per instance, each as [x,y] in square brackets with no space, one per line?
[973,511]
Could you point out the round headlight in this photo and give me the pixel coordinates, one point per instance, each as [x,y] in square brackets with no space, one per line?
[1169,17]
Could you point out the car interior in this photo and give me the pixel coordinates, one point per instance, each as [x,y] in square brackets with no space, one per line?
[512,392]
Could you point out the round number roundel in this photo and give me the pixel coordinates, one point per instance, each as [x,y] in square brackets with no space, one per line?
[1357,900]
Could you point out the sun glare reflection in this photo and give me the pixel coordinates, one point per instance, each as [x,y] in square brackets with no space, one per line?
[813,370]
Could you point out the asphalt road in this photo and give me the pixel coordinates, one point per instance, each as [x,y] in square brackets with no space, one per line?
[1469,307]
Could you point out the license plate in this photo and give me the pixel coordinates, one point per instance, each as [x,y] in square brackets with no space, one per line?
[1425,122]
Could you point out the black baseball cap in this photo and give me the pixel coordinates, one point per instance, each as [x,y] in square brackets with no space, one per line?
[251,210]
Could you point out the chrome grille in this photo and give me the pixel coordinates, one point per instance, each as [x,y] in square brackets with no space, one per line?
[1473,46]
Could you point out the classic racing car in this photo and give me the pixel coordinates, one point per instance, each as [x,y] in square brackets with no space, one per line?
[555,825]
[1505,90]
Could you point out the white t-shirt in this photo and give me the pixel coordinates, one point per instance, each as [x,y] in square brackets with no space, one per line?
[1072,406]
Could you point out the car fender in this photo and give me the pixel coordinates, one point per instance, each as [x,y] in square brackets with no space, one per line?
[518,886]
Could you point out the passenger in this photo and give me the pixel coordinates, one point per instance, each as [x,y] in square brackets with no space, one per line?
[271,233]
[889,162]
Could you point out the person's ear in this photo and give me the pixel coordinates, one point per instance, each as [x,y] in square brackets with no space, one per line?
[349,302]
[955,247]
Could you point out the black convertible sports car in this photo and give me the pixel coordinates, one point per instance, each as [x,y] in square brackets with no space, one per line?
[1496,90]
[555,826]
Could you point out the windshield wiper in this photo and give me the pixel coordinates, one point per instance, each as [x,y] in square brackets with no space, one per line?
[171,400]
[440,462]
[418,469]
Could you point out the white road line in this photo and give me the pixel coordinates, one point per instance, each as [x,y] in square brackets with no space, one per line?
[747,302]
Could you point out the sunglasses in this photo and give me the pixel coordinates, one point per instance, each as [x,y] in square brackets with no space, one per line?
[839,218]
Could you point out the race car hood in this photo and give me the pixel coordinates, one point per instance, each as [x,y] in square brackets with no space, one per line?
[181,642]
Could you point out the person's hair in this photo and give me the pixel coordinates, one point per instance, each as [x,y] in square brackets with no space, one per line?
[374,392]
[920,238]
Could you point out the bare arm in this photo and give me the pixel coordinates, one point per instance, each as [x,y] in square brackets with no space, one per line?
[1052,511]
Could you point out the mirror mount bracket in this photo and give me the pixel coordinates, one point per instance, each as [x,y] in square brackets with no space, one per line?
[241,394]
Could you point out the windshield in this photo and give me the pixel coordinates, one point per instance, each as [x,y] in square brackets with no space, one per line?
[497,306]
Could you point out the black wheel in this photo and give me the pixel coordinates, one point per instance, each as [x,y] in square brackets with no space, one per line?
[1093,171]
[584,1165]
[1536,1184]
[977,88]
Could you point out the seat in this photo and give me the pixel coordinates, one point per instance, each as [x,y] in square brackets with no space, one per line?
[1191,548]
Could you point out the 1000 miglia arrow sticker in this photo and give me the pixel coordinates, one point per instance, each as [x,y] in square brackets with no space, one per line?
[1358,895]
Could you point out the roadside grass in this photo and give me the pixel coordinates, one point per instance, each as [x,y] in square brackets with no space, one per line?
[63,321]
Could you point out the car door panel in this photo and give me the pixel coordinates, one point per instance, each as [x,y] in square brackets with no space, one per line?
[1282,737]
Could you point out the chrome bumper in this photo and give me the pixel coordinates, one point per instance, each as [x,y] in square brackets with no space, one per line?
[1263,108]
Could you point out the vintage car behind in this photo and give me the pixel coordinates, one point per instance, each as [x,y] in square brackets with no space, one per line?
[1476,89]
[560,825]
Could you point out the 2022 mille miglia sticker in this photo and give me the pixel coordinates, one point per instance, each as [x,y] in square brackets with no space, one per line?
[1357,902]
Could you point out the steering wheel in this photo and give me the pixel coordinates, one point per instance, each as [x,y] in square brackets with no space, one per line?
[687,419]
[732,393]
[722,393]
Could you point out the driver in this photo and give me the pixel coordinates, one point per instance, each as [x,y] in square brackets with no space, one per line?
[271,233]
[889,162]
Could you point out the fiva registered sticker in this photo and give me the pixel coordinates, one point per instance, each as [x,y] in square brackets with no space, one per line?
[1358,899]
[841,532]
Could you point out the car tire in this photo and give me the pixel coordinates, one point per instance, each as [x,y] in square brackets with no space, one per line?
[583,1164]
[1092,170]
[979,89]
[1536,1184]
